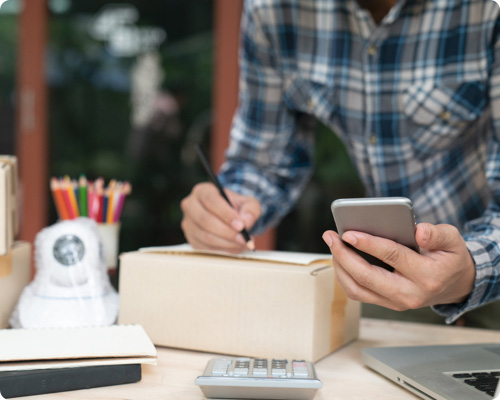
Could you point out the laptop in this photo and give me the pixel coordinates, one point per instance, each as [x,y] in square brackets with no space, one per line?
[444,372]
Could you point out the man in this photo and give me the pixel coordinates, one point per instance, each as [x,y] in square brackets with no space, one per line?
[413,89]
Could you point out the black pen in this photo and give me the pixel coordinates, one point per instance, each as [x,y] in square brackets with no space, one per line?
[213,177]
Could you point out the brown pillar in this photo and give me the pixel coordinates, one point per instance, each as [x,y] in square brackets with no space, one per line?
[31,118]
[225,88]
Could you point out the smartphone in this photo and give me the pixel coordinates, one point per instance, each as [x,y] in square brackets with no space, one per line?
[388,217]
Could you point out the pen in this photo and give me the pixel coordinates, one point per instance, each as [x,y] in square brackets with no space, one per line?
[213,177]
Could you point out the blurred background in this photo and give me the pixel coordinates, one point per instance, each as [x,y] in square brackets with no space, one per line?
[129,90]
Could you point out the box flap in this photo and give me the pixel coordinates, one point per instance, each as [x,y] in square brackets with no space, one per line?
[272,256]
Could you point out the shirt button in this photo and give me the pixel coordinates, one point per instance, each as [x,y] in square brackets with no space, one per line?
[445,115]
[373,139]
[372,50]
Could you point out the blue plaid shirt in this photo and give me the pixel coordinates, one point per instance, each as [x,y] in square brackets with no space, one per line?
[415,99]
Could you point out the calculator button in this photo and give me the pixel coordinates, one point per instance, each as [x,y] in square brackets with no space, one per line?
[278,367]
[220,367]
[299,368]
[260,371]
[240,371]
[278,372]
[301,373]
[241,367]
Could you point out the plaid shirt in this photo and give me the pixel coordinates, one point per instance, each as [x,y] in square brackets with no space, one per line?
[415,99]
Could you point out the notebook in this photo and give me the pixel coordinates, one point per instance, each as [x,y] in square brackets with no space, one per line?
[443,372]
[48,348]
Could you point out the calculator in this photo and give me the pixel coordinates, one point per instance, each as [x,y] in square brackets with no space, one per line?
[258,378]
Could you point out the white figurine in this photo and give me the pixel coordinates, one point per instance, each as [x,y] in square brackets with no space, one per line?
[71,287]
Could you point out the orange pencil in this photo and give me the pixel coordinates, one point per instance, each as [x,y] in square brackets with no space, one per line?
[67,200]
[71,194]
[58,199]
[111,202]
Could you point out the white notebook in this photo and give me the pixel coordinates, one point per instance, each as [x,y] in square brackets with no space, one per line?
[22,349]
[275,256]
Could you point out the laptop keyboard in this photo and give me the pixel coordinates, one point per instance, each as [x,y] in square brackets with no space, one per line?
[484,381]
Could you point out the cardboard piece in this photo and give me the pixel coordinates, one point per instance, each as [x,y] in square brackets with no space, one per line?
[15,274]
[9,221]
[234,305]
[28,349]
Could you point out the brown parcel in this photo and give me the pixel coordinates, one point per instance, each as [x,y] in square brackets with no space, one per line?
[237,306]
[15,274]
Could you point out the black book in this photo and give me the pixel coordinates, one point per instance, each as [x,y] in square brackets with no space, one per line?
[42,381]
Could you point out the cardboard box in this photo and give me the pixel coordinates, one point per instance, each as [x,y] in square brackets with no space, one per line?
[15,274]
[266,307]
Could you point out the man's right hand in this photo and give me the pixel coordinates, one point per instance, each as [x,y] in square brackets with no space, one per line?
[209,222]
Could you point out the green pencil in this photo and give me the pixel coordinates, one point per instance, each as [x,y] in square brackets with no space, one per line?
[83,195]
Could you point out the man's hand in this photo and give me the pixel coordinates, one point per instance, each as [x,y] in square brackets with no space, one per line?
[209,222]
[443,272]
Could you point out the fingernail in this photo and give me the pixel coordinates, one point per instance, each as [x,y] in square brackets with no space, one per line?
[328,240]
[427,233]
[248,218]
[237,225]
[351,239]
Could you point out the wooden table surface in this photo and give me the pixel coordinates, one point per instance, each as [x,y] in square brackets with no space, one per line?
[343,375]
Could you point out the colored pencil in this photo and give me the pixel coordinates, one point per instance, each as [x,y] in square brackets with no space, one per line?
[67,199]
[111,205]
[100,213]
[105,205]
[125,190]
[73,198]
[82,192]
[71,194]
[59,202]
[90,199]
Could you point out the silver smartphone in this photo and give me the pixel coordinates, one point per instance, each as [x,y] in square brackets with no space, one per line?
[388,217]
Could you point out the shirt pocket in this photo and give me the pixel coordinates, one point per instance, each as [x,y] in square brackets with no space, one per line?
[440,114]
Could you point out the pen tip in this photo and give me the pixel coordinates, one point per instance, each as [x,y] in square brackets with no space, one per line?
[251,245]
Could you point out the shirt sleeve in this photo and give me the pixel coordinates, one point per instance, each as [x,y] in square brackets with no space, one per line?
[271,147]
[482,235]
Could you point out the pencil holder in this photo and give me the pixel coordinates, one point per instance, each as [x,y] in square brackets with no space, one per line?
[110,235]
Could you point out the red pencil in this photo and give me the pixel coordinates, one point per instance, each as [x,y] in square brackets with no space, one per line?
[90,199]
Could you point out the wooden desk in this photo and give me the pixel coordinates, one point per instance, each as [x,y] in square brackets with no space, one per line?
[343,375]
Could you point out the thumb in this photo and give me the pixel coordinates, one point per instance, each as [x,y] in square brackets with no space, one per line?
[248,208]
[436,237]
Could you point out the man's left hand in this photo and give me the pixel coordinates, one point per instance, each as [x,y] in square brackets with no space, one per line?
[443,272]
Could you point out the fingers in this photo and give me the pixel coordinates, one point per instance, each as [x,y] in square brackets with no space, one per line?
[209,222]
[248,208]
[392,253]
[360,280]
[442,274]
